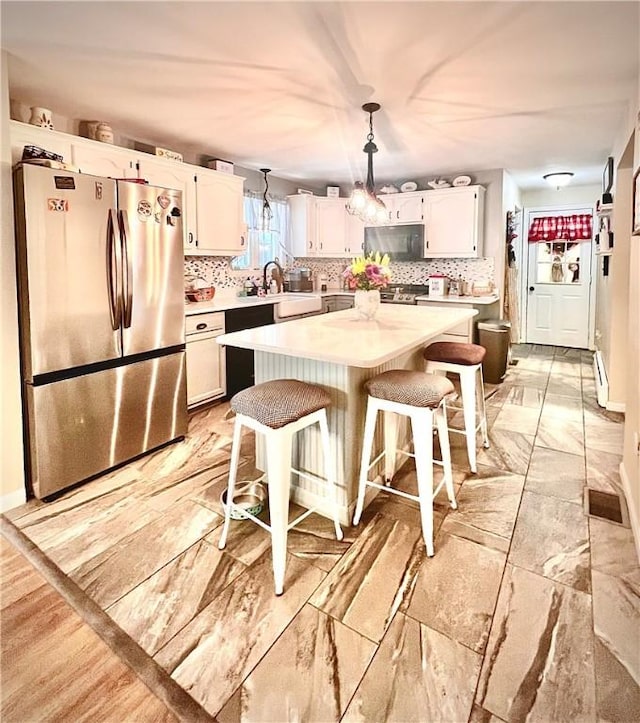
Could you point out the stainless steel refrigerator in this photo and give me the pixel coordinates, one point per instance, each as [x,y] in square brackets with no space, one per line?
[101,302]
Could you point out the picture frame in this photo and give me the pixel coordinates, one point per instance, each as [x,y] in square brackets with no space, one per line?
[635,205]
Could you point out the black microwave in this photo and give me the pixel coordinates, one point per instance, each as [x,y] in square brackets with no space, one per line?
[401,243]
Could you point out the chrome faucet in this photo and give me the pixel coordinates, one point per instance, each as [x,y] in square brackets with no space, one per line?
[279,276]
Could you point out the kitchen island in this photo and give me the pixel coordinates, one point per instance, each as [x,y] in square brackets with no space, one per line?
[340,352]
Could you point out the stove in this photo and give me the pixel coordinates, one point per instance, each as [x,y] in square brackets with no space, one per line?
[405,294]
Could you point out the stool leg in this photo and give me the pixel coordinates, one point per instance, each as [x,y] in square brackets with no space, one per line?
[390,442]
[483,417]
[443,436]
[422,427]
[329,470]
[367,444]
[231,486]
[279,478]
[468,389]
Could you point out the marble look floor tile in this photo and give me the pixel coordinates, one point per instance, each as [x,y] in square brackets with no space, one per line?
[570,387]
[374,578]
[561,406]
[533,364]
[617,693]
[121,567]
[467,576]
[561,368]
[613,552]
[604,436]
[480,715]
[529,397]
[417,675]
[556,474]
[552,539]
[525,378]
[508,451]
[246,541]
[157,609]
[513,416]
[562,434]
[309,674]
[490,501]
[616,620]
[539,660]
[217,650]
[452,526]
[314,540]
[593,412]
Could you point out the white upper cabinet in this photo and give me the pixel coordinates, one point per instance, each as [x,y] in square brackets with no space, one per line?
[404,207]
[103,159]
[454,222]
[179,177]
[219,208]
[321,226]
[23,135]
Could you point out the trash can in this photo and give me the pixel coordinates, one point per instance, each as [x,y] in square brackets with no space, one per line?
[495,337]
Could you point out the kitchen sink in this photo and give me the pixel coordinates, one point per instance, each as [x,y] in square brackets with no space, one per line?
[296,304]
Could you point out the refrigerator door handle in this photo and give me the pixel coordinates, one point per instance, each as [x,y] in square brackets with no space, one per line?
[114,263]
[127,275]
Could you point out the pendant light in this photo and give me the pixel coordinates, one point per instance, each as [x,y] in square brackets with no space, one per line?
[363,201]
[266,214]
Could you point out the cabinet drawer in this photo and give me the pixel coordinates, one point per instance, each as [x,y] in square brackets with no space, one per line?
[201,323]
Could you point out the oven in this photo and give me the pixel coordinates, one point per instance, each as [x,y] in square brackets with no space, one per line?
[403,294]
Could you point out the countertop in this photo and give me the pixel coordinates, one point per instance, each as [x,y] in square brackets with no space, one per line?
[229,300]
[342,338]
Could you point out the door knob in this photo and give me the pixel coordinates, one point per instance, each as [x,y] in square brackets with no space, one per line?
[532,288]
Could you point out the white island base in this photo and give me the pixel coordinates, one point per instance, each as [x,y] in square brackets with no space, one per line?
[339,353]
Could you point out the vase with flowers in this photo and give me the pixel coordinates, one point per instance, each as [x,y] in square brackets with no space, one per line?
[366,276]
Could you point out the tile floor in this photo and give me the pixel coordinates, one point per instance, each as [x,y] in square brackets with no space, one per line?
[528,611]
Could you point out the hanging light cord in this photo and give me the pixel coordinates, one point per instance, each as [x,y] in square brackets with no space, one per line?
[267,213]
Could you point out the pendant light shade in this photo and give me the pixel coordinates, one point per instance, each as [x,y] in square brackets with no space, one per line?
[267,213]
[363,201]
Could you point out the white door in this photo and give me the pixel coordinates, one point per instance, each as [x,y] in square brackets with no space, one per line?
[558,284]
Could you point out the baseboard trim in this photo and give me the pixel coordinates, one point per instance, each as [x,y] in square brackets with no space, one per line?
[12,499]
[602,383]
[616,407]
[633,512]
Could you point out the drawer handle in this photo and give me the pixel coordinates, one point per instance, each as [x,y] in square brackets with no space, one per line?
[202,325]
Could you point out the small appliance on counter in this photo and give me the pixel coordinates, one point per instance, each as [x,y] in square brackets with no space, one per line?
[438,285]
[298,280]
[321,282]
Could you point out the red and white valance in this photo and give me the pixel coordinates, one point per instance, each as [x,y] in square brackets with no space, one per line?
[578,227]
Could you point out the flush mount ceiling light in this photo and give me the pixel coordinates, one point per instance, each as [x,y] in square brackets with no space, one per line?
[559,179]
[363,201]
[267,213]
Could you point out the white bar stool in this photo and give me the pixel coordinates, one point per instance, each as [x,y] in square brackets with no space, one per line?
[465,360]
[421,397]
[278,409]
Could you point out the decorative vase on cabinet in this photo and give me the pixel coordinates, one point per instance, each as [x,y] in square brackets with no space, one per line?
[366,303]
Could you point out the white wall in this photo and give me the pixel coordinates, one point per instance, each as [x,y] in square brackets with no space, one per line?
[12,482]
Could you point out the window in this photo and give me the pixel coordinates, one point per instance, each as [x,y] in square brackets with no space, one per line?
[263,245]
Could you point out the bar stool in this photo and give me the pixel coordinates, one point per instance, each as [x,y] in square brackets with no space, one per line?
[421,397]
[278,409]
[465,360]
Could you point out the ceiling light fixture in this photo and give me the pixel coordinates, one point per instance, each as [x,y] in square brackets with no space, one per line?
[267,213]
[363,201]
[562,178]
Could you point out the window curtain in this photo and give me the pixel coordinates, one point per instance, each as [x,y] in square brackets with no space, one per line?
[578,227]
[263,244]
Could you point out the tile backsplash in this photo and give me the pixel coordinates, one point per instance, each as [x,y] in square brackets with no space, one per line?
[216,270]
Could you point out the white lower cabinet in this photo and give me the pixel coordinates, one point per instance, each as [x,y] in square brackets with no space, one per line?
[206,368]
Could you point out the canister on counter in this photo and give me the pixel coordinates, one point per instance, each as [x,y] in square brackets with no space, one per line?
[438,285]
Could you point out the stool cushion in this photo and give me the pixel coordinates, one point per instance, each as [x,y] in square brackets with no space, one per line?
[415,388]
[454,352]
[280,402]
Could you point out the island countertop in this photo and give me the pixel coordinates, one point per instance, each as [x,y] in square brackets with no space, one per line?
[342,338]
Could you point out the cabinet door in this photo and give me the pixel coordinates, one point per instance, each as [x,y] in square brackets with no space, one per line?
[354,235]
[303,229]
[453,220]
[102,159]
[23,134]
[331,227]
[408,208]
[219,214]
[205,370]
[172,174]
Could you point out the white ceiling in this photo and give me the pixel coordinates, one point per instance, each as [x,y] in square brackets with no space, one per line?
[532,87]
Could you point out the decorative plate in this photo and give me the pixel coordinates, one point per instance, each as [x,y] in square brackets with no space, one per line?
[409,186]
[462,180]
